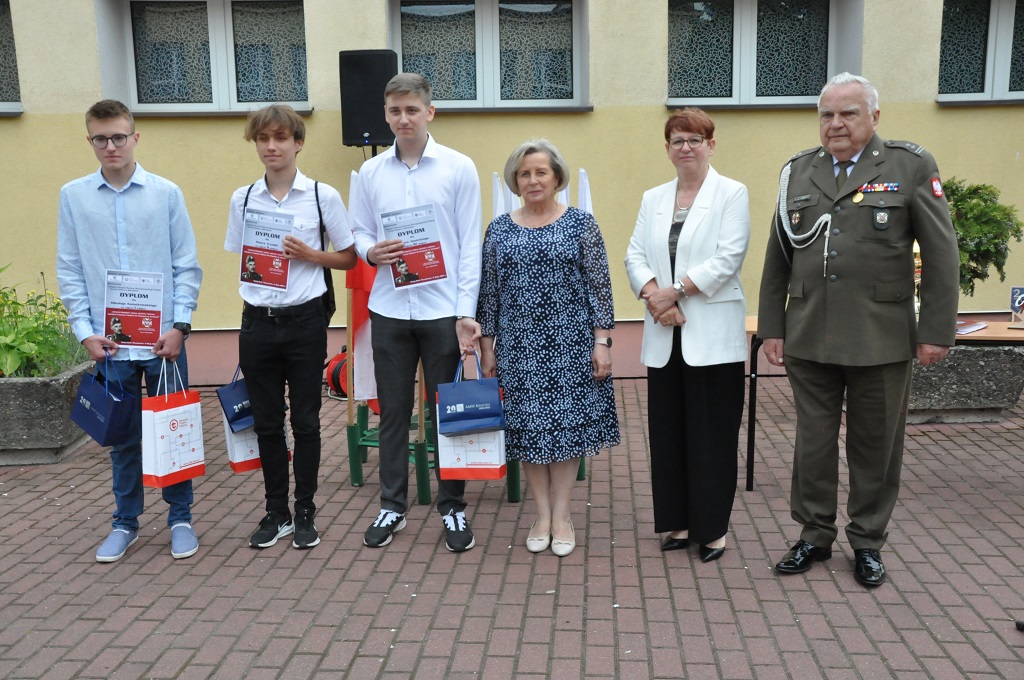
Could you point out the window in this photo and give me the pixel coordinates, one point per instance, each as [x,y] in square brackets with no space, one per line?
[211,55]
[981,54]
[758,52]
[10,89]
[495,54]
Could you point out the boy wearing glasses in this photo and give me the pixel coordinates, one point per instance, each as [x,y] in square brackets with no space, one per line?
[124,218]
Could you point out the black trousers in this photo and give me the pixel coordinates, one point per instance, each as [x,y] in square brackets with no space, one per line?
[398,346]
[275,351]
[693,415]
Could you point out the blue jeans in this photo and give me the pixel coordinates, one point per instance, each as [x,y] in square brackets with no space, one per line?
[126,459]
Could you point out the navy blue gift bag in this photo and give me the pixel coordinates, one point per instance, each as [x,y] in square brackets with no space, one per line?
[465,406]
[234,399]
[102,410]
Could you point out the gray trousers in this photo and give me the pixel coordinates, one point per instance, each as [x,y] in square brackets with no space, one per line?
[398,346]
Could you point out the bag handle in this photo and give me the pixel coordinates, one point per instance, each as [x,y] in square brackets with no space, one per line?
[163,380]
[238,369]
[479,370]
[106,373]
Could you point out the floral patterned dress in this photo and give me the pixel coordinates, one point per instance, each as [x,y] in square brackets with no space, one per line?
[543,292]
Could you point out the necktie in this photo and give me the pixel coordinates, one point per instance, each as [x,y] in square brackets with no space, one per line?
[841,176]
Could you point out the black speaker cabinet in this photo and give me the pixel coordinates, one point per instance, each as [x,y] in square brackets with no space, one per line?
[364,75]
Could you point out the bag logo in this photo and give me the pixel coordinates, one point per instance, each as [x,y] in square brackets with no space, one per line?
[173,425]
[85,402]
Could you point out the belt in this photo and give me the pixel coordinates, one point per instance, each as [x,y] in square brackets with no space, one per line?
[314,305]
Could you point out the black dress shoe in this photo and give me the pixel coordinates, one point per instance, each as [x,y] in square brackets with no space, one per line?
[710,554]
[801,556]
[868,568]
[675,544]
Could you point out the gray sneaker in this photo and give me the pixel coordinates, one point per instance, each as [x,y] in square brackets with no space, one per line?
[116,545]
[183,541]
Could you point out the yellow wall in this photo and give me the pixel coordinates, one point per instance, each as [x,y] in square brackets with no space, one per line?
[619,143]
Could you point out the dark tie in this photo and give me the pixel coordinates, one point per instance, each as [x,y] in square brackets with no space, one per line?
[841,176]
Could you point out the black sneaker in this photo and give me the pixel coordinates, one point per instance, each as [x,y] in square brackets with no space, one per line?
[458,537]
[383,528]
[306,535]
[272,527]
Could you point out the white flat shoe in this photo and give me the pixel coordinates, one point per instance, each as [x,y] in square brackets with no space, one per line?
[535,544]
[564,548]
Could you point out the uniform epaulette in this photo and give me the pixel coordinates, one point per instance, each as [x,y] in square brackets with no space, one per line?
[903,144]
[805,152]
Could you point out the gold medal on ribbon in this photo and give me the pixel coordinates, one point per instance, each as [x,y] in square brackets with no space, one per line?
[858,197]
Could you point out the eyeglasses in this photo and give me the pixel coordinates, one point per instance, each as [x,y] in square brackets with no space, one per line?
[693,142]
[100,141]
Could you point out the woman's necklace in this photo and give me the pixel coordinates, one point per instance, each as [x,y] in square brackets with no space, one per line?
[544,219]
[681,212]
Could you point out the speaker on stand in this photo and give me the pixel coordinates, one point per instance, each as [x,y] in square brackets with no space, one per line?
[364,75]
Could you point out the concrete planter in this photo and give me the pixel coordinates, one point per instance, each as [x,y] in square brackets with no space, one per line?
[35,423]
[971,385]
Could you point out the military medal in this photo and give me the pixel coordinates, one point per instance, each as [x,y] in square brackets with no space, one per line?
[858,197]
[794,217]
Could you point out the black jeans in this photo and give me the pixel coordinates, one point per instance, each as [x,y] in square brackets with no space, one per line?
[274,351]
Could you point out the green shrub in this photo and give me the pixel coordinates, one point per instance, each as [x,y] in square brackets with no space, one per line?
[984,227]
[35,338]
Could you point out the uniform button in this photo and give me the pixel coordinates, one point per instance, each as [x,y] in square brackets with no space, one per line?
[881,203]
[837,208]
[833,254]
[899,296]
[833,278]
[835,232]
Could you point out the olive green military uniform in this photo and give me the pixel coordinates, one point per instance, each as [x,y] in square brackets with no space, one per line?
[846,314]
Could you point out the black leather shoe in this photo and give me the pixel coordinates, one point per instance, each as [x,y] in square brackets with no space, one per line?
[675,544]
[868,568]
[801,556]
[710,554]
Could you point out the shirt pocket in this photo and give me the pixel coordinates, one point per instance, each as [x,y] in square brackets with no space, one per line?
[803,212]
[308,232]
[886,215]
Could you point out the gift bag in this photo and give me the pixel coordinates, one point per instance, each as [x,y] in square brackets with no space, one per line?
[477,455]
[172,434]
[466,406]
[234,399]
[102,410]
[244,449]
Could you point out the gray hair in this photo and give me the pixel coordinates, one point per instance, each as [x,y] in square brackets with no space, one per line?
[409,83]
[515,161]
[847,78]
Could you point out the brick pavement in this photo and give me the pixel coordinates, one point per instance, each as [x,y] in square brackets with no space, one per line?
[615,608]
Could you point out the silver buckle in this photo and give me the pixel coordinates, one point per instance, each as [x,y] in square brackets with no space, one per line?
[270,311]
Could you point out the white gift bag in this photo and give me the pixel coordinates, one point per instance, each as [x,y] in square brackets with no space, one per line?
[479,455]
[172,436]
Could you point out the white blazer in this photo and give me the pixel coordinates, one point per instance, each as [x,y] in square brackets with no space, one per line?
[711,249]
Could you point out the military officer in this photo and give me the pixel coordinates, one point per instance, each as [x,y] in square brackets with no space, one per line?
[837,308]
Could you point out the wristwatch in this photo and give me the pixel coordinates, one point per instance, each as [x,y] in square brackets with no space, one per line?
[607,342]
[185,328]
[679,288]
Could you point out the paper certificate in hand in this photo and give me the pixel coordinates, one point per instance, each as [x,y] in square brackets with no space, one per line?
[133,306]
[263,262]
[422,259]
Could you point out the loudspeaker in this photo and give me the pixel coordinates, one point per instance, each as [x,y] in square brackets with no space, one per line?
[364,75]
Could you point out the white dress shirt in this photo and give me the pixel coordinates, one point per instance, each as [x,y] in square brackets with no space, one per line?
[305,279]
[448,180]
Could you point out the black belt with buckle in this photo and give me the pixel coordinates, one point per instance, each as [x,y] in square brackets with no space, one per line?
[309,307]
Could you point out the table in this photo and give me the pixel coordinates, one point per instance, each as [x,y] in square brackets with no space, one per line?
[997,333]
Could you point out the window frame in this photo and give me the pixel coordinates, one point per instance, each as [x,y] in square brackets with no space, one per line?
[744,64]
[223,75]
[13,108]
[998,48]
[488,62]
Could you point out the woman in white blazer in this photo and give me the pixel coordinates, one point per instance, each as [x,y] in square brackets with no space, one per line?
[684,263]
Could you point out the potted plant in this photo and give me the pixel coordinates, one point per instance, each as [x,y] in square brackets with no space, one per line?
[973,383]
[41,365]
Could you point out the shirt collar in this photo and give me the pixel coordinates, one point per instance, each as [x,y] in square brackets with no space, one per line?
[139,177]
[852,161]
[300,183]
[429,151]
